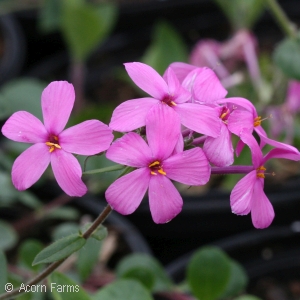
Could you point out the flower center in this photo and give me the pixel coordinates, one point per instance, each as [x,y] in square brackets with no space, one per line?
[224,114]
[260,172]
[156,167]
[53,143]
[169,101]
[257,121]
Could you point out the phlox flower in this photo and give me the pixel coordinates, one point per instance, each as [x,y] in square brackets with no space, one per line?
[248,194]
[52,144]
[167,91]
[156,165]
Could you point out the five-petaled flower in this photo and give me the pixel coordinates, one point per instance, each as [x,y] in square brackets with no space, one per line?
[155,163]
[53,144]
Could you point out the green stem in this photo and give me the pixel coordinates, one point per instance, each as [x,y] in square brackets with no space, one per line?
[52,267]
[106,169]
[286,25]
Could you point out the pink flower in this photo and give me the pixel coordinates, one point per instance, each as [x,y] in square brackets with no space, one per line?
[248,194]
[155,163]
[167,91]
[52,144]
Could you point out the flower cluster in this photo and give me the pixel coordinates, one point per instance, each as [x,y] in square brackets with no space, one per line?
[182,131]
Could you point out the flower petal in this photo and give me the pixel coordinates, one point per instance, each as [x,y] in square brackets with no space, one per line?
[24,127]
[30,165]
[131,114]
[165,201]
[199,118]
[87,138]
[67,172]
[242,194]
[127,192]
[219,150]
[240,119]
[189,167]
[57,103]
[147,79]
[163,130]
[130,150]
[262,212]
[181,70]
[176,91]
[256,153]
[207,87]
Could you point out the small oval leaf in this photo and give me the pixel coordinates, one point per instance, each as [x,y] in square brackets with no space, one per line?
[8,236]
[208,273]
[60,249]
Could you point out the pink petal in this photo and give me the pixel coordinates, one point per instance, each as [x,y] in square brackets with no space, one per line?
[240,119]
[256,154]
[147,79]
[239,147]
[207,86]
[219,150]
[262,212]
[24,127]
[165,201]
[176,91]
[163,130]
[189,167]
[67,172]
[127,192]
[199,118]
[245,103]
[57,103]
[130,150]
[181,70]
[87,138]
[30,165]
[131,114]
[242,194]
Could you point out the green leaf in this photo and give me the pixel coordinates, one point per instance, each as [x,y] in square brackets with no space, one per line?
[167,46]
[145,269]
[242,13]
[29,200]
[60,249]
[123,289]
[87,258]
[21,94]
[287,57]
[208,273]
[8,236]
[99,234]
[27,252]
[3,272]
[237,282]
[63,288]
[84,26]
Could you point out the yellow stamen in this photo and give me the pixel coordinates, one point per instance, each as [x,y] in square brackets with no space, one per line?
[161,171]
[173,103]
[154,164]
[153,173]
[52,146]
[257,121]
[260,175]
